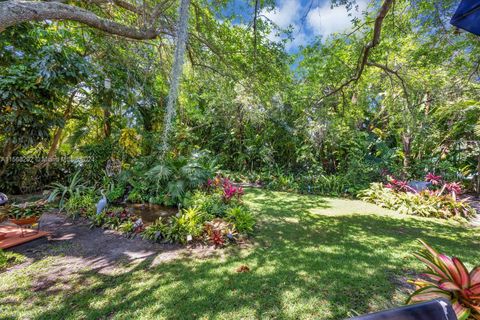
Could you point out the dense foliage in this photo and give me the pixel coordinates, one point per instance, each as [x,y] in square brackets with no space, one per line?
[23,211]
[438,199]
[213,213]
[87,117]
[73,99]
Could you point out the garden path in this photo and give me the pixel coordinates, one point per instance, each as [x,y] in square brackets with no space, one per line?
[76,247]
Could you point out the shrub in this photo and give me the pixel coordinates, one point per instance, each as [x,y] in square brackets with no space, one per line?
[448,278]
[189,223]
[334,185]
[118,219]
[218,231]
[81,204]
[115,193]
[135,196]
[200,218]
[97,220]
[427,203]
[226,188]
[187,226]
[131,228]
[217,238]
[127,227]
[314,182]
[433,179]
[210,203]
[231,192]
[282,182]
[100,153]
[65,191]
[174,177]
[241,218]
[117,216]
[157,231]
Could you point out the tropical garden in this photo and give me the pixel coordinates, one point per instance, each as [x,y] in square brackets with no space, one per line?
[237,159]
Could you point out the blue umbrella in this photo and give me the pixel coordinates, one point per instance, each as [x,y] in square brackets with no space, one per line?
[467,16]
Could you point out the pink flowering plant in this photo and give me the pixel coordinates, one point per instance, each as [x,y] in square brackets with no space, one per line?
[230,191]
[434,197]
[225,186]
[447,277]
[433,179]
[399,185]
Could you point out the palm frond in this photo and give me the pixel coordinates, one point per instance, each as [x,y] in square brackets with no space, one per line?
[160,172]
[176,189]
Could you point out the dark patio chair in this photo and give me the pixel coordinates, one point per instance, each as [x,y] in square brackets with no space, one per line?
[438,309]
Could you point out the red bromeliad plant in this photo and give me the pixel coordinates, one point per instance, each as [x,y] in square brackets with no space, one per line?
[230,191]
[227,188]
[454,188]
[399,185]
[217,238]
[435,180]
[448,278]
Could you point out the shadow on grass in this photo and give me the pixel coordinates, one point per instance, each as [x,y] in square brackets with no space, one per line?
[302,266]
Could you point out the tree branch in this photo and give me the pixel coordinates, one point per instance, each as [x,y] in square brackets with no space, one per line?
[395,73]
[13,12]
[377,29]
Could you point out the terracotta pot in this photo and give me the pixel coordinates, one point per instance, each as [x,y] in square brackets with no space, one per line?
[25,221]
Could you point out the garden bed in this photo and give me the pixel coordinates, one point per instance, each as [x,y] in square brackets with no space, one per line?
[213,213]
[436,198]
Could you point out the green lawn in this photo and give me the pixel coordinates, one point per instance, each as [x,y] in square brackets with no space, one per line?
[312,258]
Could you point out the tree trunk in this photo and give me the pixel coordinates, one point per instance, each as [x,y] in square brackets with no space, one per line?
[55,142]
[58,133]
[107,123]
[407,150]
[107,115]
[478,177]
[427,104]
[14,12]
[7,153]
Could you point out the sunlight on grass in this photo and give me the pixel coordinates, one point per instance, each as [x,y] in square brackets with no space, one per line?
[310,259]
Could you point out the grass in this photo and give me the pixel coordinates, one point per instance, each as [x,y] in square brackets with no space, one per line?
[312,258]
[8,259]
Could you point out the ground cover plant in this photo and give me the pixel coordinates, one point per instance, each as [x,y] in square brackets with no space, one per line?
[333,257]
[441,200]
[8,259]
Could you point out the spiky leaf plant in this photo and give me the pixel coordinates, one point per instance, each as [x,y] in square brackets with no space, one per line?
[448,278]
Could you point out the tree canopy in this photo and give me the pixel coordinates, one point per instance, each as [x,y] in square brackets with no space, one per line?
[397,93]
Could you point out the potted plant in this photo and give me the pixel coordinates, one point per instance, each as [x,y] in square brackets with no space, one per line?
[27,213]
